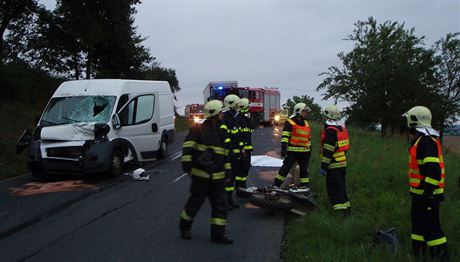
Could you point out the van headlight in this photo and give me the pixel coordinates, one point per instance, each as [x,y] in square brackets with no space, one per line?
[277,117]
[196,119]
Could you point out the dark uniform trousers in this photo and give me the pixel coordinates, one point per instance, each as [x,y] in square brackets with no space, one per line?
[426,227]
[201,189]
[244,164]
[336,188]
[302,159]
[234,172]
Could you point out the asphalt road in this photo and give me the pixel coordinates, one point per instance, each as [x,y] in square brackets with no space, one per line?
[125,220]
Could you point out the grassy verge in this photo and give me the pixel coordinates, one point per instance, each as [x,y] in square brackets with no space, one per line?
[15,117]
[377,188]
[181,123]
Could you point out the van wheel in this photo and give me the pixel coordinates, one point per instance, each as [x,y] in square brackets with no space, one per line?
[116,164]
[163,150]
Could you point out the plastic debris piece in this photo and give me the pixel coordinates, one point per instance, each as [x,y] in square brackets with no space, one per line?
[266,161]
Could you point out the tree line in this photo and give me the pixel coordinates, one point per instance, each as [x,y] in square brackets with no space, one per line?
[77,39]
[390,70]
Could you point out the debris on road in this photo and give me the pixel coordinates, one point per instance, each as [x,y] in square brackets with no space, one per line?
[141,174]
[266,161]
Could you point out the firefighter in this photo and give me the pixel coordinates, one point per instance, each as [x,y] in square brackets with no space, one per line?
[205,160]
[334,145]
[295,146]
[426,184]
[235,147]
[246,129]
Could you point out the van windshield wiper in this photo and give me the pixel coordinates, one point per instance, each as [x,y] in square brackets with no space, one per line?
[70,119]
[49,122]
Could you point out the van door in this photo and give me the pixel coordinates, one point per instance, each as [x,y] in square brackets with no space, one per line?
[137,126]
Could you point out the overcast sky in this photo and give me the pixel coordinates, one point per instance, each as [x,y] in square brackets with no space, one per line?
[283,44]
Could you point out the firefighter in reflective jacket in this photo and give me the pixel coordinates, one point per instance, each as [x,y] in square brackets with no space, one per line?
[235,146]
[205,160]
[295,146]
[426,184]
[334,145]
[246,129]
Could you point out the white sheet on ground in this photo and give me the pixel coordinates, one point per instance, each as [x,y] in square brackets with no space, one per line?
[266,161]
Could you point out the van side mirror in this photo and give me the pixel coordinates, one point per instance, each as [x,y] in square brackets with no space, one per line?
[116,121]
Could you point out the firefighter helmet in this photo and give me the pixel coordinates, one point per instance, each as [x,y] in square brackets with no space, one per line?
[243,104]
[418,116]
[231,100]
[332,112]
[212,108]
[299,107]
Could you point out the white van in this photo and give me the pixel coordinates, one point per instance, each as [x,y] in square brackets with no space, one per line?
[96,126]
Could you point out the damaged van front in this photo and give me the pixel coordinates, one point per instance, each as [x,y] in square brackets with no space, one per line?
[71,137]
[98,125]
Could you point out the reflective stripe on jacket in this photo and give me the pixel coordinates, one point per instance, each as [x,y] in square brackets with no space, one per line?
[299,140]
[415,175]
[343,141]
[334,144]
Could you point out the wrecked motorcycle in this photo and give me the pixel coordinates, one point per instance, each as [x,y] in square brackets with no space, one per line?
[296,200]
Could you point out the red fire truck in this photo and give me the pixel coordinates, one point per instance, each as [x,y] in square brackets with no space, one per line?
[264,102]
[194,112]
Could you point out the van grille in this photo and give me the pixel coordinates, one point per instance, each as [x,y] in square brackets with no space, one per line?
[65,152]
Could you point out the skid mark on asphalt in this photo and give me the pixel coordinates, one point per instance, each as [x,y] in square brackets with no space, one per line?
[35,188]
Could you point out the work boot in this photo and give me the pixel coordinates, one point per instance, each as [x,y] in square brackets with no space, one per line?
[418,248]
[185,229]
[218,235]
[231,203]
[439,252]
[221,239]
[345,213]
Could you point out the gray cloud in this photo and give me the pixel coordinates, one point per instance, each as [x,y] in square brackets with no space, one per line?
[283,44]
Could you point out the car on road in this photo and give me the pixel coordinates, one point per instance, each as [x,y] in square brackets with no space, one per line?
[97,126]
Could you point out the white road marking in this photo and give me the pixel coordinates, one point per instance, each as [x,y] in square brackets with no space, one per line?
[175,156]
[179,178]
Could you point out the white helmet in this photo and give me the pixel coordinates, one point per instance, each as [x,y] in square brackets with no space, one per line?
[231,100]
[299,107]
[332,112]
[243,105]
[212,108]
[418,116]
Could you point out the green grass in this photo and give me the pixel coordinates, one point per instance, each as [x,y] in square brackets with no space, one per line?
[377,188]
[181,123]
[15,117]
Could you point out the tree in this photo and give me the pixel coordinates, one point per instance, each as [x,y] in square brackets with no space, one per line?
[387,72]
[157,72]
[42,40]
[315,113]
[10,12]
[448,71]
[83,38]
[120,53]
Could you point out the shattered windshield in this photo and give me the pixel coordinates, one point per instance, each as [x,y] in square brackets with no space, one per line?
[75,109]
